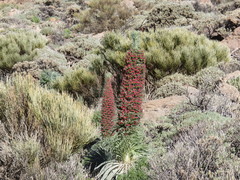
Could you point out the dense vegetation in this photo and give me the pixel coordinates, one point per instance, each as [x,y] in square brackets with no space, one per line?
[119,89]
[19,46]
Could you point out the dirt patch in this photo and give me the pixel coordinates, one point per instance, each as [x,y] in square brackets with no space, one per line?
[154,109]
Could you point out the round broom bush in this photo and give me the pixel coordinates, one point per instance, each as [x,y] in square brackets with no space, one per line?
[18,46]
[167,51]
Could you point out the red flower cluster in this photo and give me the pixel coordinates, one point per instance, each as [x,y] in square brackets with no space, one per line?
[108,109]
[131,90]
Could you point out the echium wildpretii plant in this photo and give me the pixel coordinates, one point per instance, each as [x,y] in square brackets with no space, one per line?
[108,109]
[132,89]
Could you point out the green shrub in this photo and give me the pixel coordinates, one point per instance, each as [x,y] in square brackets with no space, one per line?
[170,89]
[176,78]
[166,52]
[47,31]
[193,145]
[235,82]
[209,78]
[67,33]
[78,47]
[181,51]
[35,19]
[80,82]
[46,59]
[103,15]
[20,155]
[47,77]
[39,125]
[19,46]
[60,116]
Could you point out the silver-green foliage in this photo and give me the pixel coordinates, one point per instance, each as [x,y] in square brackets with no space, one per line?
[194,144]
[176,78]
[208,78]
[18,46]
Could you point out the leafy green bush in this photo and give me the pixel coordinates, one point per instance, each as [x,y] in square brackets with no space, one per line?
[39,125]
[166,52]
[19,46]
[80,82]
[103,15]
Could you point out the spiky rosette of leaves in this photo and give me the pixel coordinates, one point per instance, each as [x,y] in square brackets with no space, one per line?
[131,90]
[108,109]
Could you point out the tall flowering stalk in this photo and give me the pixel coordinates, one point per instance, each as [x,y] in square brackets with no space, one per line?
[108,109]
[132,90]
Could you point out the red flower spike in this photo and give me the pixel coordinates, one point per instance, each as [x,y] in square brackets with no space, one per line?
[131,90]
[108,109]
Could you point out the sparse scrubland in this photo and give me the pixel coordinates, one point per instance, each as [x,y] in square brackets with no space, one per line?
[85,88]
